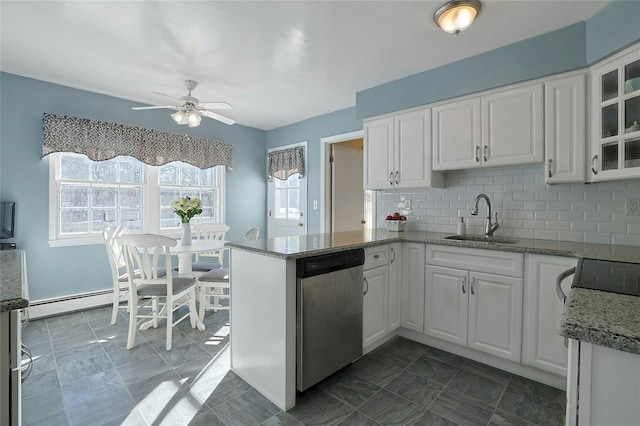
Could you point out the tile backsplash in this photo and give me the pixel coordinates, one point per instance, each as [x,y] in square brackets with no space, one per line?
[526,206]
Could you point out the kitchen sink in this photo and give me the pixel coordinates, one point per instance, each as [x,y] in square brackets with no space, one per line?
[482,239]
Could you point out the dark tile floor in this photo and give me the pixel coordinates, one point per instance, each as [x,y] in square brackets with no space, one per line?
[84,375]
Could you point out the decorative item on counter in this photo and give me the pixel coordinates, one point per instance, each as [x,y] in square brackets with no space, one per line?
[462,227]
[186,208]
[396,222]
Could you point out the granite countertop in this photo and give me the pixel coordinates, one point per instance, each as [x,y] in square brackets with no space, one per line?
[11,280]
[606,319]
[313,245]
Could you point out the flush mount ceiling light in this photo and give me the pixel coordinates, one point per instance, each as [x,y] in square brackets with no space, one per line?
[456,16]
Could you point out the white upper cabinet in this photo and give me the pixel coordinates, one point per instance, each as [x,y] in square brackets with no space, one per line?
[512,126]
[456,135]
[398,152]
[615,130]
[565,129]
[500,128]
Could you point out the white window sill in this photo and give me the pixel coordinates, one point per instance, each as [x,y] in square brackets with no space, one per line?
[70,242]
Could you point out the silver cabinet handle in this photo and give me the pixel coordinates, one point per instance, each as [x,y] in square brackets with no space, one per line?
[485,152]
[593,168]
[478,154]
[397,177]
[464,281]
[394,255]
[550,162]
[473,281]
[391,178]
[367,290]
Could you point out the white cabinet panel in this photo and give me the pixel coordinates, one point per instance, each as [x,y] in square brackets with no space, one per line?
[376,289]
[495,315]
[378,154]
[542,346]
[446,304]
[395,286]
[413,262]
[456,135]
[512,126]
[565,129]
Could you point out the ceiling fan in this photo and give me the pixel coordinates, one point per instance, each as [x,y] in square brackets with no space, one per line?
[190,110]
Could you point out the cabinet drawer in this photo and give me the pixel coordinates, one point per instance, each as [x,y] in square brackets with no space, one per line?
[480,260]
[375,257]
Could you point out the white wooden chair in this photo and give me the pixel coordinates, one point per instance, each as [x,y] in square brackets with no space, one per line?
[207,261]
[118,270]
[146,255]
[252,234]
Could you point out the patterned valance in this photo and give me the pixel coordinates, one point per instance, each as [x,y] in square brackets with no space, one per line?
[103,141]
[283,163]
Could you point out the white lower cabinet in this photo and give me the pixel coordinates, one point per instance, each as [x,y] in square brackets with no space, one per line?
[412,315]
[543,348]
[603,386]
[376,289]
[475,308]
[395,281]
[375,294]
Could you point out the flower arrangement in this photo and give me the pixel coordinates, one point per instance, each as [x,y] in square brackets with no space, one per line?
[186,208]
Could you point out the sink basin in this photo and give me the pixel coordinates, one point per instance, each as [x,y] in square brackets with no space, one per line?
[481,239]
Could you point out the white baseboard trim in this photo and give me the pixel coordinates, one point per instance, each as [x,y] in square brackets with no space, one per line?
[63,305]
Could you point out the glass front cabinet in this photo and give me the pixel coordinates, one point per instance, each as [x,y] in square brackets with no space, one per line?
[615,132]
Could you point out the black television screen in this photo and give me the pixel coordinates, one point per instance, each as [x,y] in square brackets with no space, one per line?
[7,219]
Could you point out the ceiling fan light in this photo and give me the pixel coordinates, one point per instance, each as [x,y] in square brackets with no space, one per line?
[179,117]
[194,119]
[456,16]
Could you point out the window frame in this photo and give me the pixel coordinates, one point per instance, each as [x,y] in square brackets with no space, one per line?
[151,206]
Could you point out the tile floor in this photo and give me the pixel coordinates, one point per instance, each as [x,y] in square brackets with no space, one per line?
[84,375]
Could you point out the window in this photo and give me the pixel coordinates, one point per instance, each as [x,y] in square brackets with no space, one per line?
[87,196]
[286,197]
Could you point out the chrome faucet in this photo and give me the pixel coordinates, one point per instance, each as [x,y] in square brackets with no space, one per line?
[490,227]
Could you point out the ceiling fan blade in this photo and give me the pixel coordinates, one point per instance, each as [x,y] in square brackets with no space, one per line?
[155,107]
[218,117]
[214,105]
[170,97]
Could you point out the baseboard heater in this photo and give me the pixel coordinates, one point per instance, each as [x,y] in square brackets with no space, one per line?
[73,302]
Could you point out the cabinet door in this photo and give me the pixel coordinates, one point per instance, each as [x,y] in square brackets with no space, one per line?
[374,320]
[495,315]
[615,132]
[378,154]
[413,151]
[565,128]
[446,304]
[512,126]
[413,263]
[395,279]
[456,135]
[543,347]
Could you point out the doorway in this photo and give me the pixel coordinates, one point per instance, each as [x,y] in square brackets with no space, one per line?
[347,206]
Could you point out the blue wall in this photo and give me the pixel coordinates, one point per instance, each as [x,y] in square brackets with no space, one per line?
[24,177]
[612,29]
[312,130]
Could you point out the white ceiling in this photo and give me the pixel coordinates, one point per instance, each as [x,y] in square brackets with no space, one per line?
[275,62]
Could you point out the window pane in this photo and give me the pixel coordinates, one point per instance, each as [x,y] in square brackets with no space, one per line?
[169,174]
[280,203]
[294,203]
[131,197]
[280,183]
[208,177]
[104,171]
[188,174]
[74,220]
[131,170]
[102,219]
[74,167]
[294,180]
[131,218]
[74,196]
[104,196]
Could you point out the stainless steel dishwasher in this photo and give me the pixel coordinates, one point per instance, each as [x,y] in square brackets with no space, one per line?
[329,314]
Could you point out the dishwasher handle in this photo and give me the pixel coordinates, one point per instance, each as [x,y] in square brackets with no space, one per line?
[561,277]
[325,264]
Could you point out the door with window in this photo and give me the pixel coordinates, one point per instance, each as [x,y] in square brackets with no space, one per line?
[287,193]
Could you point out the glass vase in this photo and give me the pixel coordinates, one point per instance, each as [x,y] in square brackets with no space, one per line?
[186,234]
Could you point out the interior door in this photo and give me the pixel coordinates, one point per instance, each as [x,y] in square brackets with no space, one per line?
[347,195]
[287,203]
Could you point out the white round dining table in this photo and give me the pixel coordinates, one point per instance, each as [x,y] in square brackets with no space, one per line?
[185,252]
